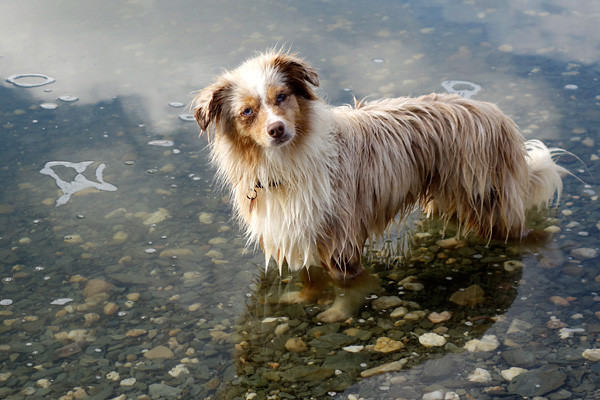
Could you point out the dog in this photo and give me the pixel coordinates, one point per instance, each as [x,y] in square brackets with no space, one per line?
[311,182]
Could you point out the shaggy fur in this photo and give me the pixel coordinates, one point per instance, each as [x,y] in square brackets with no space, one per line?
[311,183]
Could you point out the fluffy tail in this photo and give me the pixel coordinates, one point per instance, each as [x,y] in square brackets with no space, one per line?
[544,174]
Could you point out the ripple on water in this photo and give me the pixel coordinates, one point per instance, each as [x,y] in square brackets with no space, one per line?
[14,79]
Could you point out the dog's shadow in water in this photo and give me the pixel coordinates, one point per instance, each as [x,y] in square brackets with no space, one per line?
[455,288]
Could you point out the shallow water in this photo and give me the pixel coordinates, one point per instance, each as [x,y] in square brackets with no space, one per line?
[148,290]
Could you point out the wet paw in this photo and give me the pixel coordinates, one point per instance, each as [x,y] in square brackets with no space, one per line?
[294,298]
[334,314]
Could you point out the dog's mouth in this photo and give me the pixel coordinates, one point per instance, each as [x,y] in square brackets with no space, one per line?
[281,140]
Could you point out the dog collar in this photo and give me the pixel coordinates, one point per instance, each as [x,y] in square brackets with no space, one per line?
[253,193]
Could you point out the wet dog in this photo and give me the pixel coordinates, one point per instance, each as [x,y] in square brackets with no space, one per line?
[311,183]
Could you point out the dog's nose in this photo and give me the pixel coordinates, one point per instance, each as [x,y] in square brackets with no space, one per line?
[276,129]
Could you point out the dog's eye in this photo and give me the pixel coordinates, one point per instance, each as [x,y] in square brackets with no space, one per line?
[247,111]
[281,97]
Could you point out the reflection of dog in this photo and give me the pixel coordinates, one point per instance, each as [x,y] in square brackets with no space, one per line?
[311,182]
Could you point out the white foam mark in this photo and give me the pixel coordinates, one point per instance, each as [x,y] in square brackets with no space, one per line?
[13,79]
[79,183]
[457,87]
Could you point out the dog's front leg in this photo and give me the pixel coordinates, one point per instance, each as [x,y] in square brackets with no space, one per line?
[314,282]
[350,291]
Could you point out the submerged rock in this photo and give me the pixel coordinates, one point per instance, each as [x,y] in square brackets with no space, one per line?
[537,382]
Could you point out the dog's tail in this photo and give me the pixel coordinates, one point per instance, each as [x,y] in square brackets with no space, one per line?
[545,175]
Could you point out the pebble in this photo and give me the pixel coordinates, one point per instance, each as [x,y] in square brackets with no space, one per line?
[387,345]
[110,308]
[437,318]
[170,253]
[559,301]
[136,332]
[513,265]
[158,216]
[552,229]
[584,253]
[486,343]
[128,382]
[480,375]
[73,239]
[43,383]
[205,218]
[399,312]
[178,370]
[393,366]
[510,373]
[470,297]
[133,296]
[386,302]
[159,352]
[591,354]
[96,286]
[296,345]
[113,376]
[432,340]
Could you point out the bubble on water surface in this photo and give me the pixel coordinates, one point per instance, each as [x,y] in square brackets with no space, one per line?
[48,106]
[176,104]
[571,87]
[68,99]
[462,88]
[6,302]
[378,60]
[14,80]
[186,117]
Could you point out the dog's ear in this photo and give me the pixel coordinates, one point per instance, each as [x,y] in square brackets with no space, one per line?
[298,73]
[209,103]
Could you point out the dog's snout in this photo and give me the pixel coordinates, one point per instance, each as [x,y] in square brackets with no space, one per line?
[276,129]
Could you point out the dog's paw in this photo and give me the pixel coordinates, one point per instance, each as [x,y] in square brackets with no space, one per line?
[334,314]
[296,297]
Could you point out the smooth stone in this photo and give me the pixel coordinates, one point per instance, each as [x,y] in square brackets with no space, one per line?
[386,302]
[6,209]
[205,218]
[513,265]
[170,253]
[179,369]
[393,366]
[159,352]
[296,345]
[432,340]
[128,382]
[120,236]
[399,312]
[584,253]
[486,343]
[591,354]
[414,286]
[307,373]
[110,308]
[387,345]
[136,332]
[537,382]
[437,318]
[96,286]
[158,216]
[519,358]
[470,297]
[480,375]
[162,391]
[511,373]
[73,239]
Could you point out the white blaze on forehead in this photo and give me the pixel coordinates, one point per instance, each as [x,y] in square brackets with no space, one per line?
[257,78]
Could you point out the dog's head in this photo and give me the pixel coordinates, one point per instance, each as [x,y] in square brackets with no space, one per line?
[262,101]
